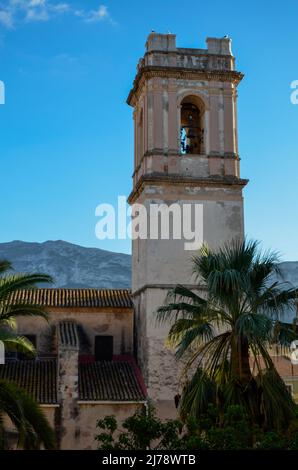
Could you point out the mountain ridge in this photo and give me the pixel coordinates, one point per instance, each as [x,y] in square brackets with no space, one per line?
[75,266]
[71,266]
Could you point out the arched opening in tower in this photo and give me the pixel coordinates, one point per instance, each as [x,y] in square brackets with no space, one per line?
[191,131]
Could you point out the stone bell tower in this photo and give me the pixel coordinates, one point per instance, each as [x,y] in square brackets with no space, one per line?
[186,152]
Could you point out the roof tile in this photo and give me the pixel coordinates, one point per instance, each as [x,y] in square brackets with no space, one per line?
[98,381]
[68,334]
[109,381]
[67,298]
[38,378]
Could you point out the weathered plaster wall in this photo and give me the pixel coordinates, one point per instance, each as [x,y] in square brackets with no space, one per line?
[115,322]
[88,416]
[160,369]
[68,391]
[166,261]
[80,434]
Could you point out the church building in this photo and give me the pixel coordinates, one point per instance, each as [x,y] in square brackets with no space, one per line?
[102,352]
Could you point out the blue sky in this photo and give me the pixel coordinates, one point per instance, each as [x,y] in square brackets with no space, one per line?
[66,132]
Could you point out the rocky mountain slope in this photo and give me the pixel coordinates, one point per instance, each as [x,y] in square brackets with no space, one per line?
[70,265]
[76,266]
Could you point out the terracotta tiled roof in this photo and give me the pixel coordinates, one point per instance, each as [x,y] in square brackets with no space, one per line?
[109,381]
[283,366]
[68,334]
[38,378]
[98,381]
[67,298]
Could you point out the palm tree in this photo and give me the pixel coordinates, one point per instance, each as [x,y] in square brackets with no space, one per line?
[25,414]
[10,310]
[225,326]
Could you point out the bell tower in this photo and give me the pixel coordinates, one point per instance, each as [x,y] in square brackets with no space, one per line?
[186,152]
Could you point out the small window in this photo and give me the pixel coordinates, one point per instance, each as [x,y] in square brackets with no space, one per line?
[26,357]
[289,387]
[103,348]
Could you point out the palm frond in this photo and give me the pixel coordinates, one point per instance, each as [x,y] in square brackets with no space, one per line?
[28,418]
[215,355]
[12,283]
[189,335]
[284,333]
[22,310]
[173,311]
[254,327]
[181,292]
[197,395]
[277,405]
[14,342]
[279,302]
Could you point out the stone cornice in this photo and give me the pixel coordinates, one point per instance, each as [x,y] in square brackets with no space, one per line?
[173,153]
[156,178]
[148,72]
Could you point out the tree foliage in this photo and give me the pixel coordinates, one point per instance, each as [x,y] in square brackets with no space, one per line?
[231,431]
[25,414]
[223,329]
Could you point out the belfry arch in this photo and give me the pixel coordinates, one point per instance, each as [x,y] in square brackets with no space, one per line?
[192,130]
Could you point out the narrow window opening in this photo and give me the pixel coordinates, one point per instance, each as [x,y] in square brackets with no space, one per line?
[104,348]
[191,131]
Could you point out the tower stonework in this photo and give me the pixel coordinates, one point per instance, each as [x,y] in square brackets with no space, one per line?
[186,152]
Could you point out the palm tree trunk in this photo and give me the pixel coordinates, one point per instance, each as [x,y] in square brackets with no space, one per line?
[240,360]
